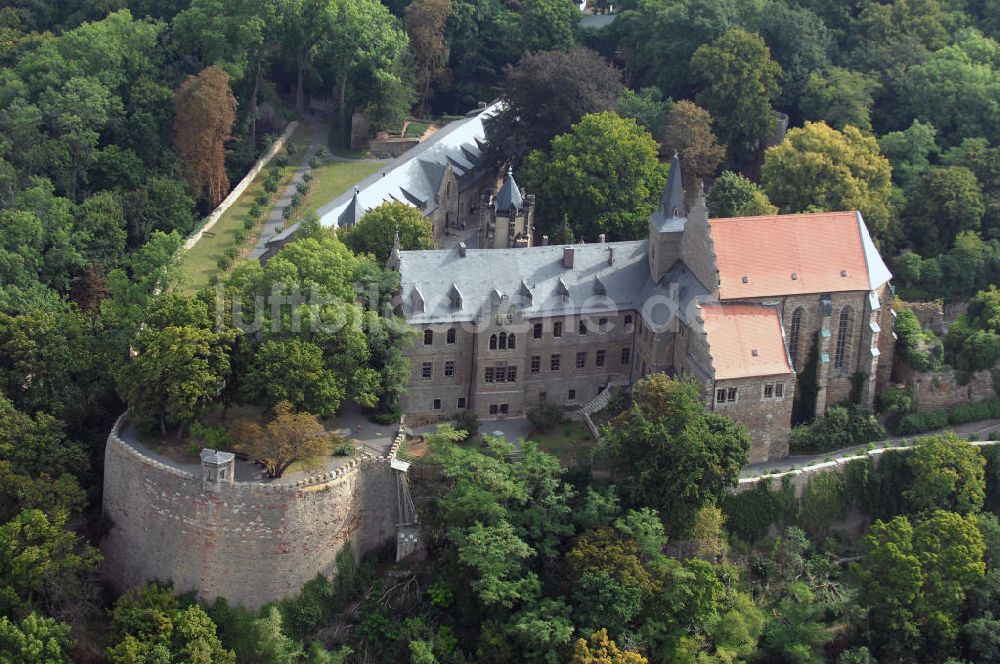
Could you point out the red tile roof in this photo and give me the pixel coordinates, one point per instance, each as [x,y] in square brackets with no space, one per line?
[789,254]
[745,340]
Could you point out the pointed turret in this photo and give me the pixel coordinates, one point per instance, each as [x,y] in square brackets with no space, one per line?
[509,199]
[393,262]
[352,213]
[672,202]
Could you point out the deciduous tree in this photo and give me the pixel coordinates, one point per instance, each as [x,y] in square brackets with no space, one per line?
[734,195]
[425,23]
[294,371]
[839,97]
[603,175]
[376,231]
[205,113]
[288,437]
[945,202]
[689,132]
[947,474]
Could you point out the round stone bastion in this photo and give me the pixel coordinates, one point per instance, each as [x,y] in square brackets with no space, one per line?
[250,542]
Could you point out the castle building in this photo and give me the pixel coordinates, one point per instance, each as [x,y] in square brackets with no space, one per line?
[741,305]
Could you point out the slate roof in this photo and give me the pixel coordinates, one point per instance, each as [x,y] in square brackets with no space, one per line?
[414,177]
[482,275]
[510,195]
[794,254]
[745,340]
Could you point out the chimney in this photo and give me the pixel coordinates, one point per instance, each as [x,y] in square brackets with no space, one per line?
[545,240]
[611,255]
[568,257]
[461,249]
[602,238]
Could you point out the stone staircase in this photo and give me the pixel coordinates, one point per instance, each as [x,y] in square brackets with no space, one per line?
[596,404]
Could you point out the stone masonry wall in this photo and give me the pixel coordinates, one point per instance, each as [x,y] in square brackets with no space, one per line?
[936,390]
[248,542]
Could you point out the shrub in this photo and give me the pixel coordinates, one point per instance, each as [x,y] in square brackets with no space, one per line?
[215,438]
[239,237]
[281,161]
[920,422]
[921,350]
[839,427]
[287,213]
[323,153]
[262,199]
[546,416]
[255,211]
[469,423]
[270,186]
[296,200]
[342,447]
[302,187]
[932,420]
[249,223]
[314,163]
[231,253]
[223,262]
[307,177]
[291,149]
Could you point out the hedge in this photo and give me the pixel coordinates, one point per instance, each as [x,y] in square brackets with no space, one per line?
[939,419]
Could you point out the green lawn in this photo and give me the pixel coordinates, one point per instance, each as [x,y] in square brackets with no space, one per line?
[333,178]
[570,441]
[198,264]
[415,129]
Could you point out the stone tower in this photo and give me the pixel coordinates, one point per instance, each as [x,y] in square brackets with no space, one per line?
[666,224]
[506,220]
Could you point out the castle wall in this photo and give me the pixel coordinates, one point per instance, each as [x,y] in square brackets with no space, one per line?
[251,543]
[769,420]
[937,390]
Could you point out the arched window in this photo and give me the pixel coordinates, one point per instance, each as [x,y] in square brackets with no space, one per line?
[510,342]
[493,342]
[793,337]
[503,340]
[428,337]
[845,319]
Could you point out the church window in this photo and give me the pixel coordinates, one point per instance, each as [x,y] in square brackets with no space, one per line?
[845,319]
[503,340]
[428,337]
[793,336]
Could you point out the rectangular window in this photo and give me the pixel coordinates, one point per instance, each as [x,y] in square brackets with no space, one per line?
[493,409]
[461,403]
[628,320]
[731,395]
[557,328]
[537,331]
[581,360]
[602,325]
[511,374]
[720,396]
[427,370]
[536,363]
[626,356]
[582,327]
[572,395]
[600,358]
[542,396]
[779,390]
[451,335]
[501,374]
[489,374]
[449,368]
[437,404]
[554,362]
[504,408]
[428,337]
[768,390]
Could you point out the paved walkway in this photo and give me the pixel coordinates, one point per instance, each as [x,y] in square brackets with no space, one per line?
[981,429]
[319,137]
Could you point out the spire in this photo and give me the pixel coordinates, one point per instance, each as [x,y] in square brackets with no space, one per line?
[393,262]
[509,198]
[672,202]
[352,213]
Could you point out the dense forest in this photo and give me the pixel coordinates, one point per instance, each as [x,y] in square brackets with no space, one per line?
[123,123]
